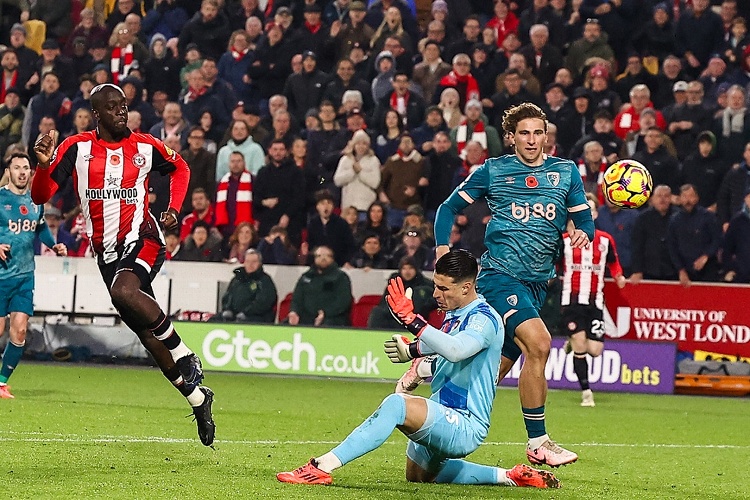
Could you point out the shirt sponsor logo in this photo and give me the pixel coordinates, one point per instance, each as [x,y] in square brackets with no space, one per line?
[524,212]
[21,225]
[128,194]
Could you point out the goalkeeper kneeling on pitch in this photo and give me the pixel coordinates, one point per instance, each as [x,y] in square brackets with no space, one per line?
[455,420]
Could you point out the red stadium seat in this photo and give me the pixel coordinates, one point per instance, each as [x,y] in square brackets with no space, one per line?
[361,310]
[436,318]
[284,306]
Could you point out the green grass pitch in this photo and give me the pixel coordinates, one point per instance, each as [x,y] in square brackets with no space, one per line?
[117,432]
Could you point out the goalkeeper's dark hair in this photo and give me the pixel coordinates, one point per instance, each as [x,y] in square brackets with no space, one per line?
[525,110]
[459,265]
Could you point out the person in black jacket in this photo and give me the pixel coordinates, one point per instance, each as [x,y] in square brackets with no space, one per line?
[251,296]
[736,248]
[705,170]
[650,253]
[328,229]
[209,29]
[279,194]
[272,63]
[732,189]
[664,168]
[304,91]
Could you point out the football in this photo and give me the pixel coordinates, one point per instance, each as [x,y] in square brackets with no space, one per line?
[627,184]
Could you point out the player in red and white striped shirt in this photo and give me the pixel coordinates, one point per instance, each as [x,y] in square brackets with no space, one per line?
[110,168]
[582,298]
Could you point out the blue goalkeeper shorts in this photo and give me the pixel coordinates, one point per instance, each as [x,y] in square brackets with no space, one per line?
[17,295]
[445,434]
[515,301]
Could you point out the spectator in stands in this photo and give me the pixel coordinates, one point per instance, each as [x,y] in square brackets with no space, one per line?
[472,30]
[201,245]
[125,53]
[234,194]
[422,290]
[424,134]
[581,121]
[732,126]
[202,164]
[279,194]
[239,141]
[234,64]
[400,180]
[377,11]
[27,58]
[604,135]
[541,55]
[281,129]
[504,22]
[305,90]
[201,210]
[693,237]
[688,119]
[627,120]
[210,30]
[244,238]
[14,77]
[412,245]
[276,248]
[251,295]
[633,75]
[83,121]
[449,105]
[330,230]
[391,26]
[172,123]
[513,94]
[475,127]
[736,52]
[556,106]
[731,192]
[591,167]
[460,79]
[376,221]
[385,68]
[272,65]
[714,76]
[369,256]
[49,102]
[351,31]
[619,224]
[133,89]
[656,37]
[699,34]
[358,173]
[120,11]
[664,167]
[704,170]
[430,71]
[650,252]
[166,18]
[54,220]
[736,245]
[12,114]
[670,73]
[592,44]
[408,104]
[529,82]
[391,128]
[344,81]
[323,294]
[240,12]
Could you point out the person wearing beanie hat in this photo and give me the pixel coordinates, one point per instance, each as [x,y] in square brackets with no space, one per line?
[304,90]
[385,66]
[704,169]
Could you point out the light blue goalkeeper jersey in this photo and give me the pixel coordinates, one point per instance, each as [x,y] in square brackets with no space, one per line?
[468,385]
[20,221]
[530,208]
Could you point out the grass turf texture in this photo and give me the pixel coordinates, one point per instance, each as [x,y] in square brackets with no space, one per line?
[116,432]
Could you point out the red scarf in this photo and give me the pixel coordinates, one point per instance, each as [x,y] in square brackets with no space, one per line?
[583,169]
[120,62]
[467,168]
[472,87]
[394,102]
[193,94]
[478,134]
[244,200]
[238,55]
[313,28]
[13,80]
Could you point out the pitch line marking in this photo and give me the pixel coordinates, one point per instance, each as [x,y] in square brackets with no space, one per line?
[40,437]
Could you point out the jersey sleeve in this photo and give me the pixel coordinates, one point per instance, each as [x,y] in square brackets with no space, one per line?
[578,207]
[43,231]
[168,161]
[47,181]
[613,261]
[477,334]
[470,190]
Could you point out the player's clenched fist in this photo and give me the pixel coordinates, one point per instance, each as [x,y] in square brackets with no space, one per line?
[44,147]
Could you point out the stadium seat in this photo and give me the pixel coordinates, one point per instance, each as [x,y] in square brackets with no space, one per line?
[284,306]
[361,310]
[436,318]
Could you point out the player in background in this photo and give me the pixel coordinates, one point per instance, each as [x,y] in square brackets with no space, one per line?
[531,196]
[455,420]
[110,167]
[582,298]
[20,222]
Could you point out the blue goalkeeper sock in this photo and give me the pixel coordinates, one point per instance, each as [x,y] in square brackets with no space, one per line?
[533,418]
[374,431]
[11,357]
[463,472]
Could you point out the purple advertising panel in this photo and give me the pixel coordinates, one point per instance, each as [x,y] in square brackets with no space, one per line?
[624,366]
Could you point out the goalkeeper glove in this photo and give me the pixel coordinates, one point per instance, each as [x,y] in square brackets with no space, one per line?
[400,350]
[402,308]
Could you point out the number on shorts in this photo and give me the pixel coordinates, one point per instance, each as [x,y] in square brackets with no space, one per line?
[597,328]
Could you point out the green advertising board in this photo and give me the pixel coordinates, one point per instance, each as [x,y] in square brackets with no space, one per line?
[291,350]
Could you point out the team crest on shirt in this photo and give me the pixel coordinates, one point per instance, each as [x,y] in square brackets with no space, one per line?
[531,181]
[553,178]
[139,160]
[114,160]
[23,210]
[512,300]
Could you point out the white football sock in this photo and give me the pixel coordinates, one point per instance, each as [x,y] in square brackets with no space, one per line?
[503,479]
[536,442]
[328,462]
[180,351]
[196,397]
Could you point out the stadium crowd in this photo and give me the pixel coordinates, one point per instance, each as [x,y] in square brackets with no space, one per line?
[343,124]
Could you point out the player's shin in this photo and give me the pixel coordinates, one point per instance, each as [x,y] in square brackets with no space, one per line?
[581,368]
[164,331]
[194,396]
[11,358]
[463,472]
[374,431]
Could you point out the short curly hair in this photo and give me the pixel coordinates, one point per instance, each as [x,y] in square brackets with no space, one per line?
[525,110]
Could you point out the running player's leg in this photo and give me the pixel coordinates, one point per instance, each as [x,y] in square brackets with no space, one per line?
[20,303]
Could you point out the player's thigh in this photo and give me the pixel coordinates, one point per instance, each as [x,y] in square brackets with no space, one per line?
[20,295]
[19,323]
[534,337]
[143,258]
[576,323]
[446,433]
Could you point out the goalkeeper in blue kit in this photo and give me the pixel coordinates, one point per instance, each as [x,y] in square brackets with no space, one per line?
[21,220]
[455,420]
[531,196]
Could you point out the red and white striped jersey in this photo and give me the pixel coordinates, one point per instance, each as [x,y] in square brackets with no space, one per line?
[111,182]
[583,270]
